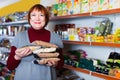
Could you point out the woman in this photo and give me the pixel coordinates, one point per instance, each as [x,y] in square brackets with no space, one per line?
[22,61]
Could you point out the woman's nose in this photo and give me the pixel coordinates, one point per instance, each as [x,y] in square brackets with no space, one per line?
[38,18]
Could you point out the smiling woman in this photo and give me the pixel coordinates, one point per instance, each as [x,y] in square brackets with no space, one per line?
[23,61]
[21,5]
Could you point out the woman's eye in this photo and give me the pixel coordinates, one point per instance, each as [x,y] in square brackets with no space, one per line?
[37,15]
[32,14]
[42,15]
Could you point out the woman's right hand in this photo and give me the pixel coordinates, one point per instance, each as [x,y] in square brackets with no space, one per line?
[21,52]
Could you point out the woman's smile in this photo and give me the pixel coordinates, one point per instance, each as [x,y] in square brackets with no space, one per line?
[37,22]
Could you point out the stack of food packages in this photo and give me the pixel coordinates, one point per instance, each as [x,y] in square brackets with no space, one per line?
[68,7]
[85,33]
[43,52]
[71,32]
[113,62]
[90,34]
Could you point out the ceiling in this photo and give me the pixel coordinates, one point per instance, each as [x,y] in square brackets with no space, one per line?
[4,3]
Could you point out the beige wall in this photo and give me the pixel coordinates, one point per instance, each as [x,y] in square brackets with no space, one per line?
[48,2]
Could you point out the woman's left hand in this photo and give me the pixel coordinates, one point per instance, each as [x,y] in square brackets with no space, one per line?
[21,52]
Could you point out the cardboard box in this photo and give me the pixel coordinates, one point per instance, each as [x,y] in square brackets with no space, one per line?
[103,5]
[85,6]
[77,6]
[94,5]
[70,6]
[113,4]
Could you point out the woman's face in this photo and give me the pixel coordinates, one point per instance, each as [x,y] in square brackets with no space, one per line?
[37,19]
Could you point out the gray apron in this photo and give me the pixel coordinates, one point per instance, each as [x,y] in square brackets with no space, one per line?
[27,70]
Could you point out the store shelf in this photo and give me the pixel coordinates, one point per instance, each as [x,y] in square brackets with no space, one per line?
[75,42]
[77,69]
[88,14]
[103,12]
[22,22]
[71,16]
[6,36]
[110,11]
[107,77]
[106,44]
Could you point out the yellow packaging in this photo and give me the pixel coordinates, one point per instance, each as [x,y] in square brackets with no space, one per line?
[93,37]
[54,10]
[70,6]
[77,7]
[113,4]
[117,35]
[99,39]
[85,6]
[59,9]
[110,38]
[64,8]
[71,33]
[94,5]
[103,5]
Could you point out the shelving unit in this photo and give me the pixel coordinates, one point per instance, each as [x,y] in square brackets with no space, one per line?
[75,42]
[104,44]
[14,23]
[107,44]
[22,22]
[88,14]
[70,16]
[107,77]
[103,12]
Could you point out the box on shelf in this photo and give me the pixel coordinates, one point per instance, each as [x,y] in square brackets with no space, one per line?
[94,5]
[103,5]
[77,7]
[113,4]
[85,6]
[70,6]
